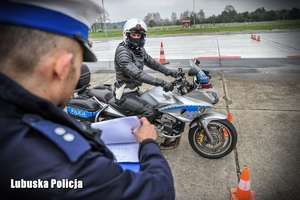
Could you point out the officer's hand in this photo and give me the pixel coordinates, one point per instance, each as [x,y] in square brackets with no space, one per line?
[146,130]
[168,86]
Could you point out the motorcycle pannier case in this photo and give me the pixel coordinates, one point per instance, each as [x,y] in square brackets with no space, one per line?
[83,109]
[85,77]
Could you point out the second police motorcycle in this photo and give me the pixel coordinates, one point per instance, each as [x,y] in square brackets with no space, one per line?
[210,134]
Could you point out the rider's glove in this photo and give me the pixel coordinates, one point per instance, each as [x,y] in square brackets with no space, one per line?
[167,86]
[173,74]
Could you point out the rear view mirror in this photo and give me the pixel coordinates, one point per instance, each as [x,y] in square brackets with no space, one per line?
[196,61]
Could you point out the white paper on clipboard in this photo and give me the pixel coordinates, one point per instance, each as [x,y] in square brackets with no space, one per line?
[117,136]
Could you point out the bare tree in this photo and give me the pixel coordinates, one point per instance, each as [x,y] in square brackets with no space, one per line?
[153,16]
[148,18]
[229,8]
[173,18]
[167,21]
[201,16]
[185,15]
[99,22]
[156,18]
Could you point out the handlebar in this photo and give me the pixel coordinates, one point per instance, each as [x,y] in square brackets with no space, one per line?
[180,73]
[183,85]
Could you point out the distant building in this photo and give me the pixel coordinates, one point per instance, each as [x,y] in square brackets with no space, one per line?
[186,23]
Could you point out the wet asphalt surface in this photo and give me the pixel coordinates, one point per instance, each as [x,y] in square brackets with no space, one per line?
[259,83]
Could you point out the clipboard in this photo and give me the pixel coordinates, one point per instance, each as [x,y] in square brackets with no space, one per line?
[119,139]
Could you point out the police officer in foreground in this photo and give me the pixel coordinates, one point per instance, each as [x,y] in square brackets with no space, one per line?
[130,58]
[44,153]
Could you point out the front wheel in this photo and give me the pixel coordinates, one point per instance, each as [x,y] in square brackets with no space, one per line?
[224,139]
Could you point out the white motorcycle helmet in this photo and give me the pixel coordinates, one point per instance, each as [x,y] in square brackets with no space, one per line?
[135,25]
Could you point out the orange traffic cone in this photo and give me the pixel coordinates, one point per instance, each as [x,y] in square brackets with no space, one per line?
[243,192]
[229,117]
[258,38]
[162,58]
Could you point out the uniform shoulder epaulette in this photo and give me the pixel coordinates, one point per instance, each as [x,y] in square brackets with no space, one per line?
[67,139]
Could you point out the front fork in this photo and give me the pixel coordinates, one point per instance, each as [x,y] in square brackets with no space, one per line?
[204,120]
[204,126]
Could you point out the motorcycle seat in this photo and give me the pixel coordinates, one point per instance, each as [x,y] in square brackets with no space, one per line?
[101,95]
[112,102]
[104,87]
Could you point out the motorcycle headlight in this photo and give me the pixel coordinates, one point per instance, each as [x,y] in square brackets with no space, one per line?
[214,97]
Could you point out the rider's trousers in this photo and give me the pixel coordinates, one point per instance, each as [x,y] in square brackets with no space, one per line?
[132,102]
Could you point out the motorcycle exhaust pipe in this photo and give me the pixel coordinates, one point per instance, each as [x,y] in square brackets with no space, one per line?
[168,127]
[169,136]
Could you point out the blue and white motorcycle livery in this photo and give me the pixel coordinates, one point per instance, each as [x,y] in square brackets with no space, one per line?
[210,134]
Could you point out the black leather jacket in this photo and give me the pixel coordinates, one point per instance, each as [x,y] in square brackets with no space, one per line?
[129,65]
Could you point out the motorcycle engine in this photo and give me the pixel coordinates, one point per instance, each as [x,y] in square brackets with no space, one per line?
[166,131]
[167,118]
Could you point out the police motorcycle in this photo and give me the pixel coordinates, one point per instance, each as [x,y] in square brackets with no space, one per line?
[211,134]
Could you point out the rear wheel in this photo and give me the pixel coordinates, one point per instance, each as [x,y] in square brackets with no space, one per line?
[224,139]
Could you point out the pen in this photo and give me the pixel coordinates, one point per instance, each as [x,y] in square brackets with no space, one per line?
[137,128]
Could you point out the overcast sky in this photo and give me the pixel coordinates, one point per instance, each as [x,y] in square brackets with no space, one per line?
[121,10]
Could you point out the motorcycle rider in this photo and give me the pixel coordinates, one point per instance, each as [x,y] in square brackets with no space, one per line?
[130,58]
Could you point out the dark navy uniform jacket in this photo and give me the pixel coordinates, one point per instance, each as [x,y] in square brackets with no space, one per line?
[39,141]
